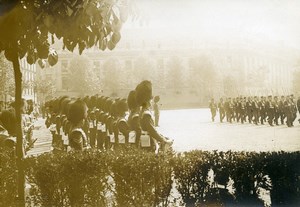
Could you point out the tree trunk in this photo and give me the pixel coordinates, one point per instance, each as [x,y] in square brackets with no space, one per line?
[19,130]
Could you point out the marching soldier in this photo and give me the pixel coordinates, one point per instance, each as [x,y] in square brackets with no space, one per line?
[230,110]
[281,109]
[255,105]
[270,110]
[298,106]
[262,110]
[226,107]
[249,109]
[213,109]
[221,107]
[276,110]
[242,107]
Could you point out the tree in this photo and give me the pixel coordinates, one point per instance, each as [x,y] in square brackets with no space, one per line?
[7,86]
[25,26]
[175,75]
[111,75]
[296,81]
[202,75]
[44,88]
[143,69]
[81,71]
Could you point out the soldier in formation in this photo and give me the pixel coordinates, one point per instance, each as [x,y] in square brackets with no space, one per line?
[264,110]
[101,122]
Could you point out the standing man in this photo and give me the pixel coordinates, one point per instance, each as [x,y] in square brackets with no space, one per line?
[213,109]
[276,110]
[221,107]
[298,106]
[156,110]
[281,109]
[270,110]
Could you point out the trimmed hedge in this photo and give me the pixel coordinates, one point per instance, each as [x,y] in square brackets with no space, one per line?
[8,181]
[132,177]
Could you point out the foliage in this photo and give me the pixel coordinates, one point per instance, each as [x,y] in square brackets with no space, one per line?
[81,24]
[132,177]
[296,80]
[7,76]
[8,174]
[66,179]
[175,75]
[202,75]
[142,178]
[81,71]
[111,75]
[250,173]
[143,69]
[284,171]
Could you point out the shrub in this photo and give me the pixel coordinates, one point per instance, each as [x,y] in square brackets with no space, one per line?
[284,171]
[66,179]
[142,178]
[8,175]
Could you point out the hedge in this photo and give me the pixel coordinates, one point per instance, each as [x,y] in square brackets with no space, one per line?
[132,177]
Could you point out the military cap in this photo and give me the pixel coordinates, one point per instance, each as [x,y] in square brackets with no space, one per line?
[143,92]
[77,111]
[121,106]
[156,99]
[131,100]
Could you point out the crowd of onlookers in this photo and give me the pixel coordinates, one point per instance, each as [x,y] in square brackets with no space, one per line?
[258,110]
[105,123]
[8,126]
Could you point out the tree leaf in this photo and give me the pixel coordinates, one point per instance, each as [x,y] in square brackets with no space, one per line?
[116,37]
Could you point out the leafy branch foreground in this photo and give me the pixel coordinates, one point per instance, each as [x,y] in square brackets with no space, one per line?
[131,177]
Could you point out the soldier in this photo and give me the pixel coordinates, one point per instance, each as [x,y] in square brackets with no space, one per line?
[133,119]
[270,110]
[77,114]
[262,111]
[226,108]
[156,110]
[276,110]
[298,106]
[238,109]
[149,132]
[255,106]
[122,126]
[221,106]
[213,109]
[242,108]
[281,109]
[294,109]
[249,109]
[230,110]
[234,115]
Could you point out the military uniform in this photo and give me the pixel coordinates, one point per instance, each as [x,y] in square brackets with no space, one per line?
[213,109]
[270,110]
[281,109]
[221,106]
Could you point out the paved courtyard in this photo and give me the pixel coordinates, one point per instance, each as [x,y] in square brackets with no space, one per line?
[193,129]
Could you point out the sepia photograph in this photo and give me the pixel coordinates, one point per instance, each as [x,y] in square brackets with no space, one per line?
[149,103]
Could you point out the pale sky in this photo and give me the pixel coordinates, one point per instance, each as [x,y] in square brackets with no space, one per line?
[269,21]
